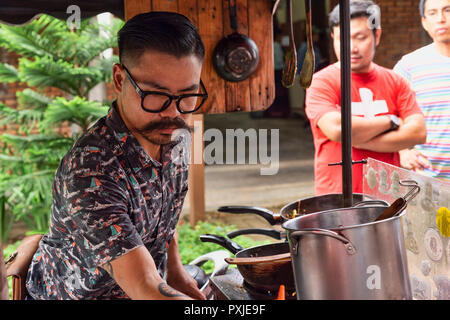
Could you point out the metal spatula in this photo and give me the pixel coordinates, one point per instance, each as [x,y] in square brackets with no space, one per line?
[400,204]
[306,74]
[290,59]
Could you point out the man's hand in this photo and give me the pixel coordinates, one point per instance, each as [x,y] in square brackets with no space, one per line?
[181,280]
[412,159]
[177,276]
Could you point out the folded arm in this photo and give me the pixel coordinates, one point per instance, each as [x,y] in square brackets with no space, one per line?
[410,133]
[363,129]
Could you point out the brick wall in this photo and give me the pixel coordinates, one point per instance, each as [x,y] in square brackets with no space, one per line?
[402,30]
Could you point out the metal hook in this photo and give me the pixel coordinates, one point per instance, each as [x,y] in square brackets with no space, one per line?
[415,189]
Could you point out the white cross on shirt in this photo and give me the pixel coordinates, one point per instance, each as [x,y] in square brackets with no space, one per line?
[368,107]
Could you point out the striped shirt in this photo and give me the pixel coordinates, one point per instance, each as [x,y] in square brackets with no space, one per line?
[428,73]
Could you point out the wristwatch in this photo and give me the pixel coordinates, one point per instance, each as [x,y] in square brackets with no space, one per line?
[395,122]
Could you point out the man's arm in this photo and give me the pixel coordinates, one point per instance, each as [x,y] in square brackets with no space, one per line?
[363,129]
[135,272]
[177,276]
[412,132]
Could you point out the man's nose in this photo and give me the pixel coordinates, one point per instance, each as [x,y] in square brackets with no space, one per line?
[353,47]
[171,111]
[441,16]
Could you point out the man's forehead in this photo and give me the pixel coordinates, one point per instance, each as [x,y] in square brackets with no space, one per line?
[436,4]
[357,25]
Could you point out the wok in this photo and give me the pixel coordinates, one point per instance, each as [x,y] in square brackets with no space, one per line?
[236,56]
[263,275]
[304,206]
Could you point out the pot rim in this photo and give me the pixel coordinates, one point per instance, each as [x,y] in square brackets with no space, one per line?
[292,221]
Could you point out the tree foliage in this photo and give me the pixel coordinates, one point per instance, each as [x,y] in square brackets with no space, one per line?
[50,56]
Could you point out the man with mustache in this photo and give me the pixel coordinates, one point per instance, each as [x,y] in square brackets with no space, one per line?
[118,193]
[428,71]
[385,115]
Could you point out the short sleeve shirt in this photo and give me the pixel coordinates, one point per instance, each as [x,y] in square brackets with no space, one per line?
[428,73]
[378,92]
[109,197]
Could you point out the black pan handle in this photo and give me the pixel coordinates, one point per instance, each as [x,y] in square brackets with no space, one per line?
[276,234]
[228,244]
[233,15]
[265,213]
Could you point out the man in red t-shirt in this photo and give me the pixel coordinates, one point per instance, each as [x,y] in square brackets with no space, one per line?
[385,114]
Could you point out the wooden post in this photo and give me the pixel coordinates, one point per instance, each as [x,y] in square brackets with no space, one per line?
[197,173]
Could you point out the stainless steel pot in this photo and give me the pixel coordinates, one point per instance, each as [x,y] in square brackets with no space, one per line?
[343,254]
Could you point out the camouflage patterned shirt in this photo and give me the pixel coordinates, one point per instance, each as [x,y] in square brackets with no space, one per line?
[109,197]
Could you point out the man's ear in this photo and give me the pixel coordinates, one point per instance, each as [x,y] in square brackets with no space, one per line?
[424,25]
[378,36]
[118,77]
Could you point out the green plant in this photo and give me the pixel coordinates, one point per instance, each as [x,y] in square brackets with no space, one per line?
[52,56]
[191,247]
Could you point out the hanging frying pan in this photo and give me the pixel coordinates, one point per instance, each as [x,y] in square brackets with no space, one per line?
[236,56]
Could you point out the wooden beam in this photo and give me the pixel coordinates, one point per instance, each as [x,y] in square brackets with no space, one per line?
[197,172]
[134,7]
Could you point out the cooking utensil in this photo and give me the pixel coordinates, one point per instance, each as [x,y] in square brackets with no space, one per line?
[236,56]
[256,260]
[264,275]
[306,74]
[275,6]
[220,267]
[344,254]
[290,58]
[303,206]
[400,204]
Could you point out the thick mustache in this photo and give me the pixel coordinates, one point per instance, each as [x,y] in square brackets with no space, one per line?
[177,123]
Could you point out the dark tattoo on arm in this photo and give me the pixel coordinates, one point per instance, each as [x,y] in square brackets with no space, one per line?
[168,291]
[108,267]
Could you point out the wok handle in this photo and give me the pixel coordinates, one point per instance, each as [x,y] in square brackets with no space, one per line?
[232,246]
[276,234]
[293,236]
[262,212]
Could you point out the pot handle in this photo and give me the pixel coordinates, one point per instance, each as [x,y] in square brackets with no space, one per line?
[271,217]
[320,232]
[276,234]
[228,244]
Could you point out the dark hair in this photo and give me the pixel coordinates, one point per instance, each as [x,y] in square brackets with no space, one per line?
[358,8]
[165,32]
[422,7]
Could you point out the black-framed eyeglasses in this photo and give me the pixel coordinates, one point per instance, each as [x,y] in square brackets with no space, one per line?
[158,101]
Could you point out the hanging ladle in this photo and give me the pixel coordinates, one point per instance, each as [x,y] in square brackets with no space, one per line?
[290,59]
[400,204]
[306,74]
